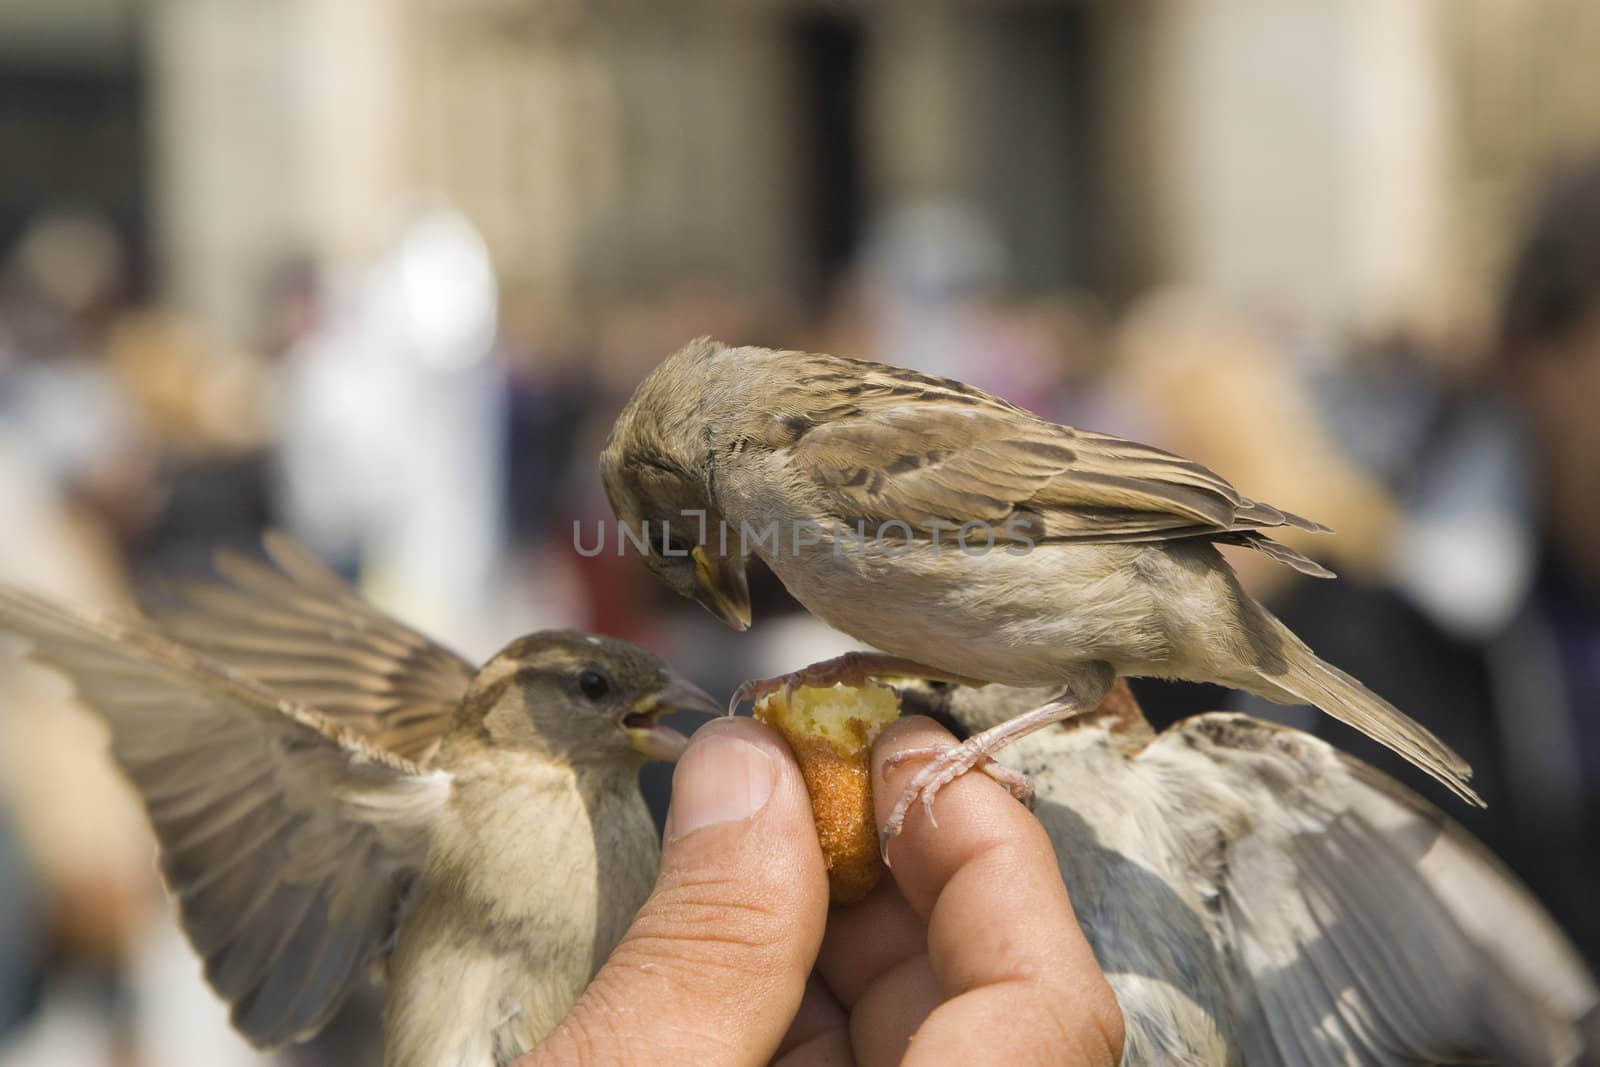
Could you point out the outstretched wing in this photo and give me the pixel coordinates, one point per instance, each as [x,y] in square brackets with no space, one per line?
[1360,924]
[302,630]
[881,443]
[286,840]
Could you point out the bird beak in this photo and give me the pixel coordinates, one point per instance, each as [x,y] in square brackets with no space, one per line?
[721,588]
[653,739]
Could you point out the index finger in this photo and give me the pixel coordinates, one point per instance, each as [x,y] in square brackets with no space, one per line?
[1020,980]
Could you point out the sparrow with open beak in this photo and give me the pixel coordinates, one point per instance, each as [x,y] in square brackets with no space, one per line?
[333,793]
[967,539]
[1255,896]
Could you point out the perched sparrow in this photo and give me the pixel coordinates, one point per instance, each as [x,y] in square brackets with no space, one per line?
[1255,896]
[966,538]
[333,792]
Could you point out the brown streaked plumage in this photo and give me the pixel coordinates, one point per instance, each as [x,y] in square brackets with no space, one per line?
[334,794]
[301,629]
[1257,897]
[1103,561]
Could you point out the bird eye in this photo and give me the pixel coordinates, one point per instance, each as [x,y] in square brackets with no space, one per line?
[593,684]
[670,544]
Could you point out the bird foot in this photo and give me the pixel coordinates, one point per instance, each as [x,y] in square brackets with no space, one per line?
[852,668]
[946,764]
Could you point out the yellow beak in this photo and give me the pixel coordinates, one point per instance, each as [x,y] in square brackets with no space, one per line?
[649,737]
[721,587]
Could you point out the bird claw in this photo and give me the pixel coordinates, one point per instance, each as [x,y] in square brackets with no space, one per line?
[1018,784]
[753,690]
[762,687]
[947,763]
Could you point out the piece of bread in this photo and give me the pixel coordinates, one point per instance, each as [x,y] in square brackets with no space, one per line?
[831,732]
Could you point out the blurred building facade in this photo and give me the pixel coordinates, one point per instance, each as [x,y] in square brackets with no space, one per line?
[606,148]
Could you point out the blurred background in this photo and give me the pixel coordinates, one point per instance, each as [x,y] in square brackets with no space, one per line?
[380,272]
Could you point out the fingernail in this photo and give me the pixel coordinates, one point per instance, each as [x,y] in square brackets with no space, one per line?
[721,779]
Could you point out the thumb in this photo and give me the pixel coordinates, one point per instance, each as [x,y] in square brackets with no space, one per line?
[712,971]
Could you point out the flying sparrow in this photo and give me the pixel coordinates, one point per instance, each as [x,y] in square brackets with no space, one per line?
[1255,896]
[967,539]
[335,794]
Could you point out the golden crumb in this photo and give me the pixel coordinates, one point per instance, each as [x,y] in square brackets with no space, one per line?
[831,732]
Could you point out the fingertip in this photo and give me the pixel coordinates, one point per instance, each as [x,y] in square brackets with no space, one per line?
[740,812]
[729,773]
[986,874]
[910,731]
[722,777]
[972,812]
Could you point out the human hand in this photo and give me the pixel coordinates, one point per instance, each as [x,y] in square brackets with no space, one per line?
[970,953]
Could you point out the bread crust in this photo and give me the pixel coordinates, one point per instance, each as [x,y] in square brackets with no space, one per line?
[831,732]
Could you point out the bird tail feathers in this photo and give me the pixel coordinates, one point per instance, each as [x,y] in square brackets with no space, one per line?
[1313,681]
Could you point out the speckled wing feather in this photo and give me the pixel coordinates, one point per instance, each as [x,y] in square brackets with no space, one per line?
[881,443]
[1362,926]
[286,840]
[309,635]
[1257,897]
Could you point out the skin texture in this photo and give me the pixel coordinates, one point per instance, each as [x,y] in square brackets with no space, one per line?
[971,954]
[1103,561]
[326,784]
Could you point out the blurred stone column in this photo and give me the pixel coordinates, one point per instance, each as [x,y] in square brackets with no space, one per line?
[1284,154]
[1524,84]
[919,128]
[704,130]
[274,136]
[979,105]
[610,150]
[509,112]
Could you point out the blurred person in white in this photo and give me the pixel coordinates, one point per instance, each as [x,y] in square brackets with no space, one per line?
[392,423]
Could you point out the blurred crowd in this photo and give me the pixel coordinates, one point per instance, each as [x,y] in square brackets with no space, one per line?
[434,439]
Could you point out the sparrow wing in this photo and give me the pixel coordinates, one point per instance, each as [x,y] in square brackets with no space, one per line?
[286,839]
[309,635]
[879,443]
[1361,925]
